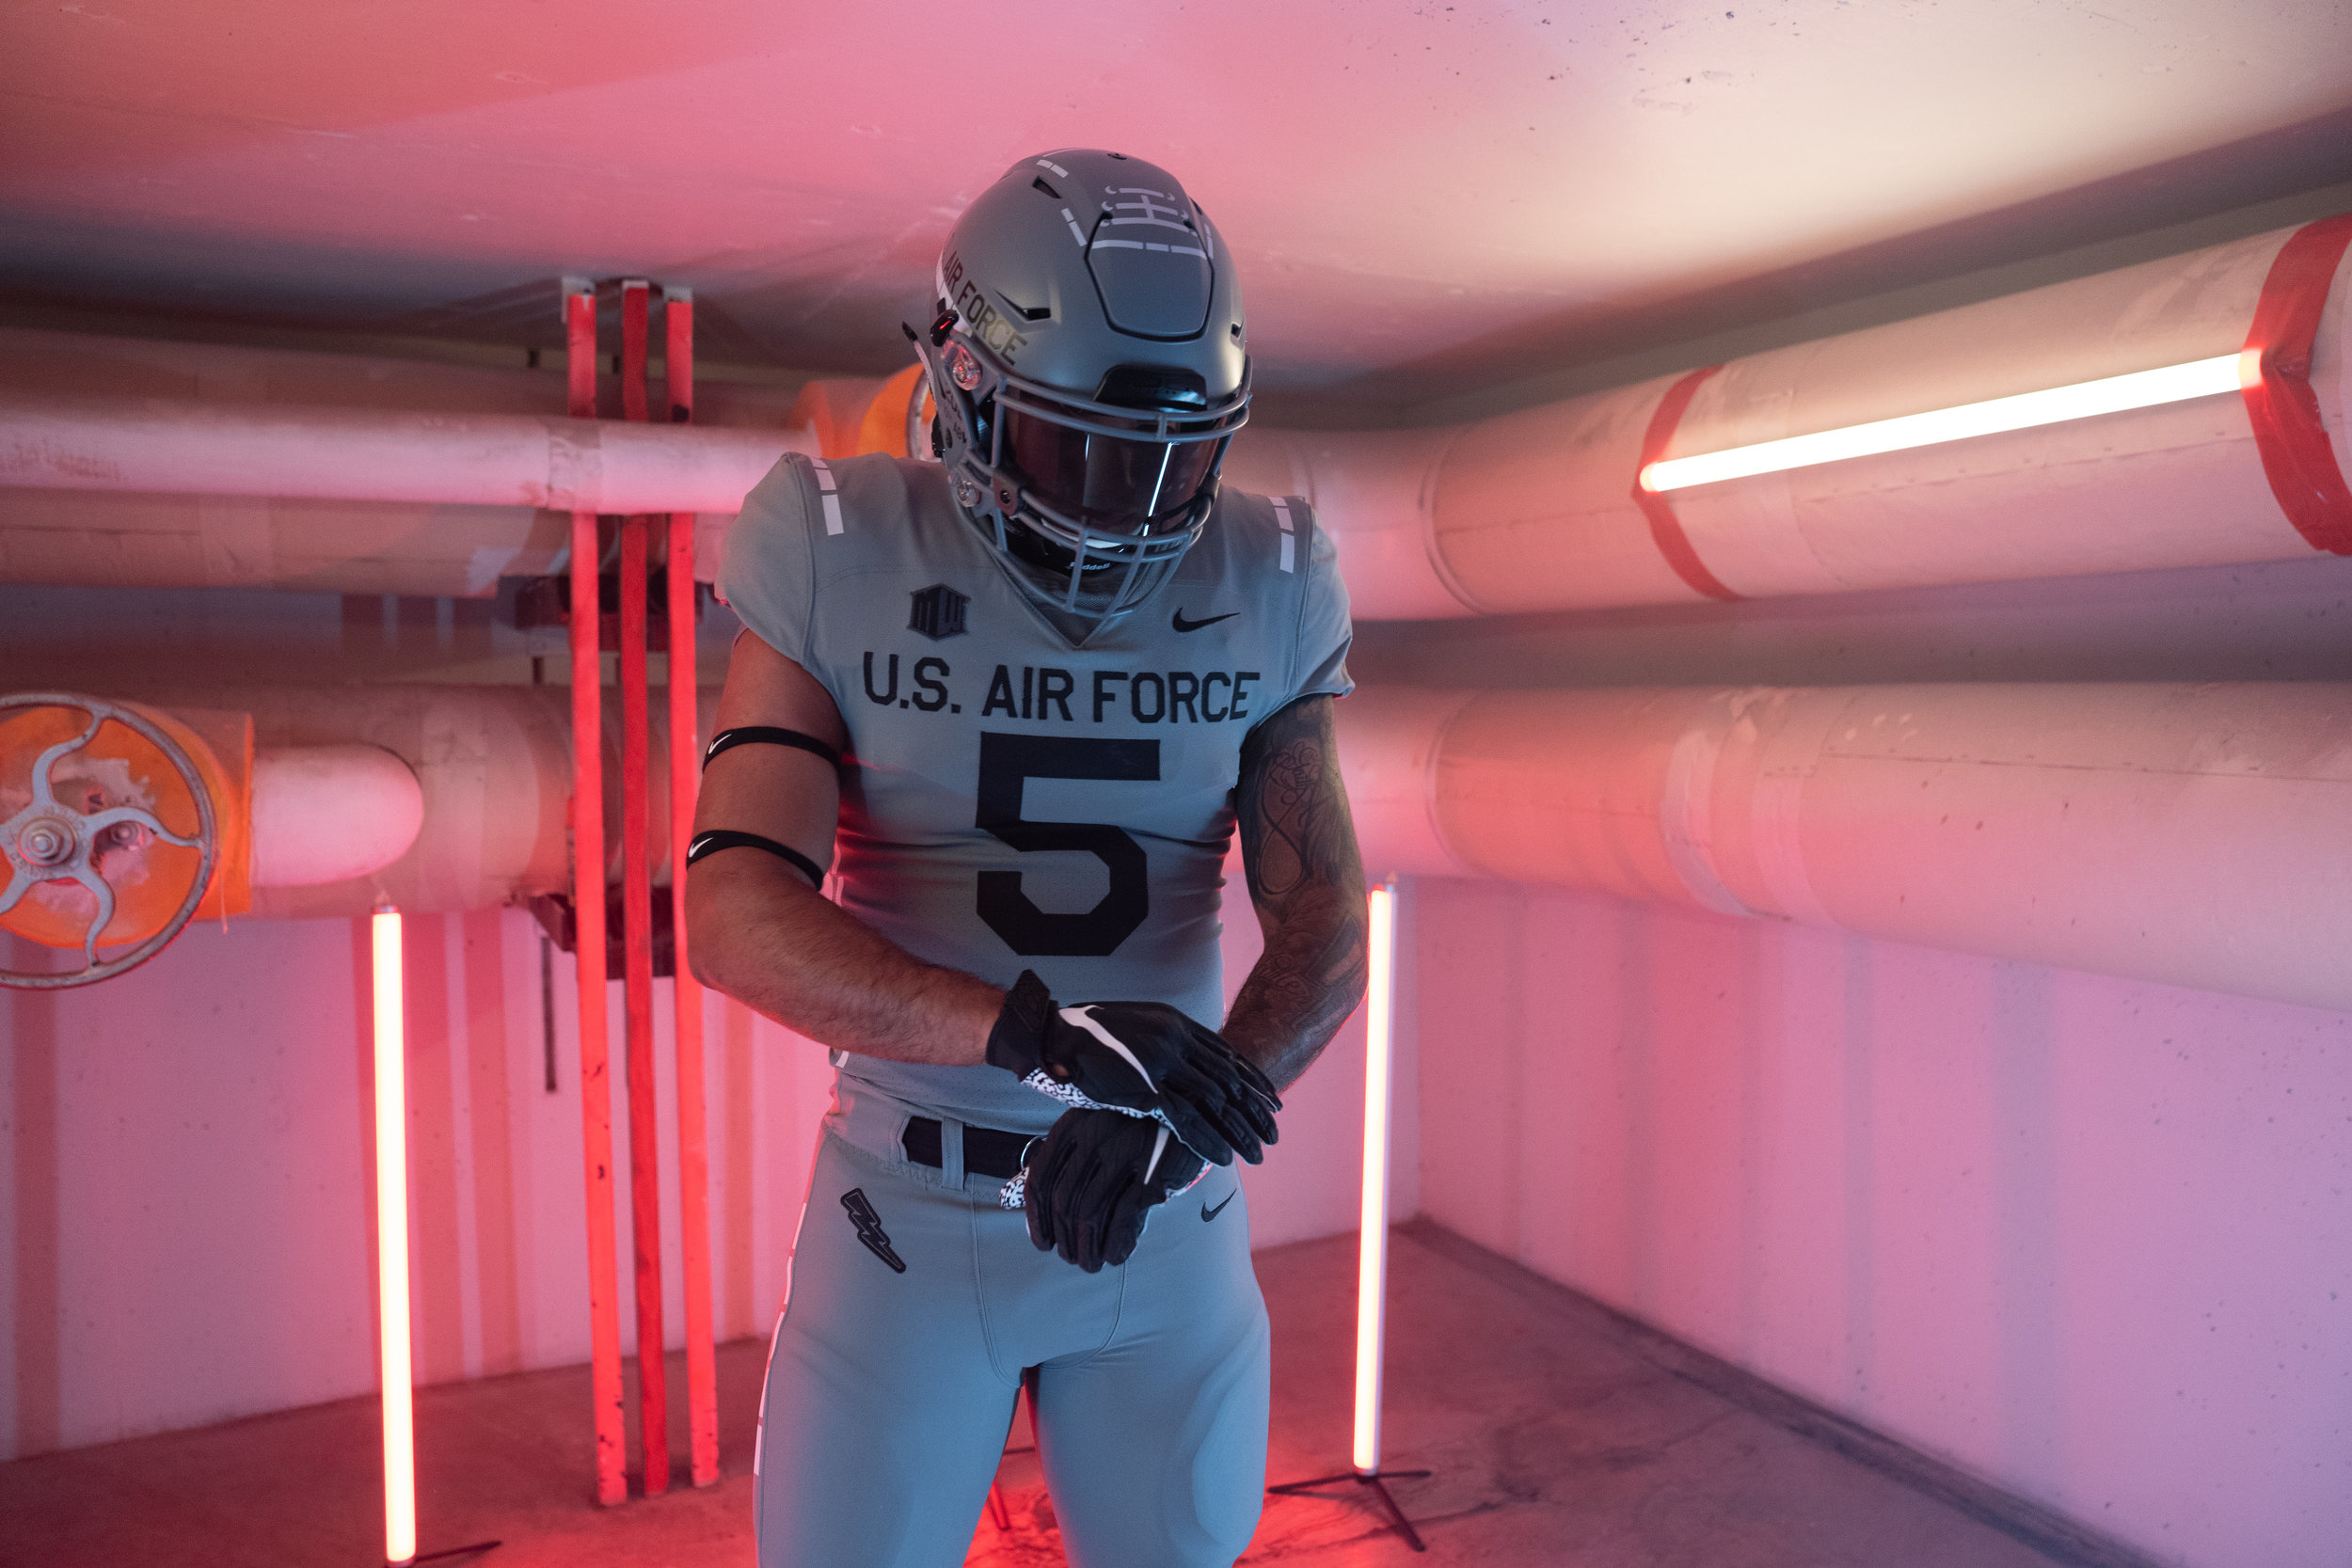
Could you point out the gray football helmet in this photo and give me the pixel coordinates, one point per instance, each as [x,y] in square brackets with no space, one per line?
[1087,364]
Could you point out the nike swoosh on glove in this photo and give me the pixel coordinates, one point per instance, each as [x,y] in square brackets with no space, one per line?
[1090,1184]
[1144,1059]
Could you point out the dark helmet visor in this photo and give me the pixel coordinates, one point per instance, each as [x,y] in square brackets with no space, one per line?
[1116,483]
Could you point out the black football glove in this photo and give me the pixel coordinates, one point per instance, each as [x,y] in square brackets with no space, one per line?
[1089,1185]
[1144,1059]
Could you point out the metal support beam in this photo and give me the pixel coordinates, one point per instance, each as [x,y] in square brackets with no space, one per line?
[702,1368]
[588,863]
[644,1159]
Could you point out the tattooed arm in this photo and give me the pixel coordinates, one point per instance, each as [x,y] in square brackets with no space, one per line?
[1299,847]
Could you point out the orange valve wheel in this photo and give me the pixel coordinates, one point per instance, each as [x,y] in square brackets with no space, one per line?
[91,825]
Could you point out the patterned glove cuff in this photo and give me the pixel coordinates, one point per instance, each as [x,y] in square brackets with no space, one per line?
[1017,1043]
[1078,1099]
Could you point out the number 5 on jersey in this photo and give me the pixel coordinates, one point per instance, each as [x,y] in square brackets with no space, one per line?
[1006,763]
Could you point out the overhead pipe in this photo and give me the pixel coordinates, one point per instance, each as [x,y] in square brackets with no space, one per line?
[1541,509]
[101,365]
[331,814]
[565,465]
[275,816]
[113,539]
[493,771]
[134,539]
[437,798]
[1546,509]
[2190,834]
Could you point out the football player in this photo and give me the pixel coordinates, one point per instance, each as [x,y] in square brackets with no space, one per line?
[1017,701]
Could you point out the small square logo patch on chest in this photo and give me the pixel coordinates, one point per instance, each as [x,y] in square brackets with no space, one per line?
[938,611]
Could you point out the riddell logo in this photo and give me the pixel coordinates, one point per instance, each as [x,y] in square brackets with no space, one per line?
[937,612]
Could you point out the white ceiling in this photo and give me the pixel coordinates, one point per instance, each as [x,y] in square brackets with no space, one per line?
[1422,197]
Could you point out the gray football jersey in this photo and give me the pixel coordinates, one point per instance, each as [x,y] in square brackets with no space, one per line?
[1013,800]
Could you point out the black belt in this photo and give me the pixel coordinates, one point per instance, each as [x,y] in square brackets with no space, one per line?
[987,1150]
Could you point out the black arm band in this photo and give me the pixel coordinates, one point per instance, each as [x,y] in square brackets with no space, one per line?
[723,838]
[768,735]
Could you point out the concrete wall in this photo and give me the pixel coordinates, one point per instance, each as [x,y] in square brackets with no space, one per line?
[2083,1237]
[186,1191]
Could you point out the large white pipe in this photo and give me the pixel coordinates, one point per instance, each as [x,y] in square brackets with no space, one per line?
[481,819]
[106,443]
[128,539]
[329,814]
[2193,835]
[135,539]
[1535,510]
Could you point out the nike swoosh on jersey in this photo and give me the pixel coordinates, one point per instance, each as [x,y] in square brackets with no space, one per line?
[1182,625]
[1208,1214]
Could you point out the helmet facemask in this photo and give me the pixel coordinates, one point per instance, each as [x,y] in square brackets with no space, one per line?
[1106,493]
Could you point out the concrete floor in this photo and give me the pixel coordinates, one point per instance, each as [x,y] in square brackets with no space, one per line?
[1558,1435]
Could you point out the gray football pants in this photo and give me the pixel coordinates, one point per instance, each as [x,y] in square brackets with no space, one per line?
[890,1393]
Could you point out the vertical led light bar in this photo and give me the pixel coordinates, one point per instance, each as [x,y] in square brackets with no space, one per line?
[1372,1266]
[1371,1255]
[391,1244]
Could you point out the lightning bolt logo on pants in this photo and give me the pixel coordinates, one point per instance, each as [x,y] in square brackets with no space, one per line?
[869,1228]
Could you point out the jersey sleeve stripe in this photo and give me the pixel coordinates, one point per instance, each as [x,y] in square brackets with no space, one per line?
[827,497]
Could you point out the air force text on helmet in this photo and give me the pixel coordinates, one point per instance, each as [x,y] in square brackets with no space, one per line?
[982,319]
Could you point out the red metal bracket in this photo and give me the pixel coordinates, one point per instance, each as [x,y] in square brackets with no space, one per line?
[2296,455]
